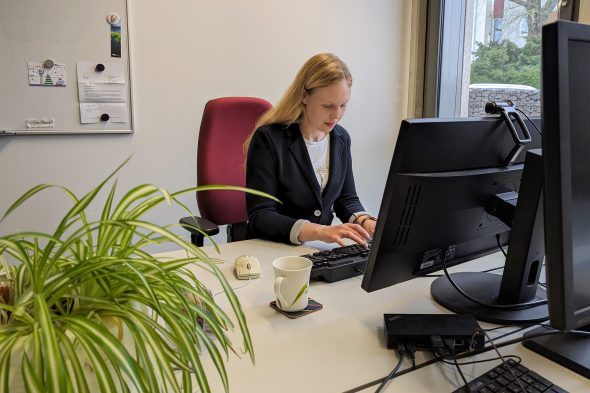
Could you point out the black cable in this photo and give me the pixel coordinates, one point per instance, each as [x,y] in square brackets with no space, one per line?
[500,245]
[411,349]
[529,119]
[493,269]
[519,340]
[510,333]
[518,306]
[463,355]
[400,373]
[392,374]
[497,328]
[505,363]
[450,345]
[446,361]
[460,372]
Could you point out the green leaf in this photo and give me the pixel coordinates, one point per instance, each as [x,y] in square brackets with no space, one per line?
[33,382]
[53,360]
[6,344]
[79,376]
[27,195]
[102,373]
[300,293]
[112,348]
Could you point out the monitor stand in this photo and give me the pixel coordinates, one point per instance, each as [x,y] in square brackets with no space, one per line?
[569,350]
[519,282]
[485,287]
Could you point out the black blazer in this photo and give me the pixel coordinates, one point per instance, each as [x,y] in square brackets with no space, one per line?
[279,164]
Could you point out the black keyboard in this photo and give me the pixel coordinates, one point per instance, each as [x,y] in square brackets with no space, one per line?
[338,263]
[500,380]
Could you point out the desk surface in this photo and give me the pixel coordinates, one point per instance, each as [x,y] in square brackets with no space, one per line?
[342,346]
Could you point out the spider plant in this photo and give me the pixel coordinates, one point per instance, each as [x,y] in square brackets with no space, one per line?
[68,297]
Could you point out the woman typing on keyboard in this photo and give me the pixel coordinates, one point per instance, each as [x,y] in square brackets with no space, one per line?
[300,154]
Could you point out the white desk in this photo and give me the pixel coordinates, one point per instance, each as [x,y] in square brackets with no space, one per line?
[342,346]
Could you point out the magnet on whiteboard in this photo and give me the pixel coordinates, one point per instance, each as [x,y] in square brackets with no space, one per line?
[99,67]
[48,63]
[104,117]
[114,19]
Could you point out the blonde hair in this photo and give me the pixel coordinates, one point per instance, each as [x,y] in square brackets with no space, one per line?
[319,71]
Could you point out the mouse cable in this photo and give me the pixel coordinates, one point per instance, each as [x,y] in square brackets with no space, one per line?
[238,287]
[233,289]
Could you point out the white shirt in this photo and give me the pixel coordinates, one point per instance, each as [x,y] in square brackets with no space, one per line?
[319,153]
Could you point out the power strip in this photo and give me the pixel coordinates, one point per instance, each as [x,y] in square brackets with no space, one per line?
[420,329]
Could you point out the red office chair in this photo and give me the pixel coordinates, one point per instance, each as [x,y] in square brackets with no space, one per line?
[225,125]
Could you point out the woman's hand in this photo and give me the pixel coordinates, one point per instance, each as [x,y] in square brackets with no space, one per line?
[336,234]
[369,226]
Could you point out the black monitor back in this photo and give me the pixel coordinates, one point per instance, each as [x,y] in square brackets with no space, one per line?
[442,176]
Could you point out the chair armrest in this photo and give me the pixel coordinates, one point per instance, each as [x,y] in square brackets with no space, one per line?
[199,222]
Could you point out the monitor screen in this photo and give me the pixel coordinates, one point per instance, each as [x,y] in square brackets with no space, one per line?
[444,177]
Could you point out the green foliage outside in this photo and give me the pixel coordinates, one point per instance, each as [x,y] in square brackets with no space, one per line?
[505,62]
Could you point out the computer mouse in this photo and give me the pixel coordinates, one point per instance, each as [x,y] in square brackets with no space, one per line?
[247,267]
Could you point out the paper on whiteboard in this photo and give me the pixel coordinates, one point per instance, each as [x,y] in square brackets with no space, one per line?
[91,113]
[101,92]
[41,76]
[113,72]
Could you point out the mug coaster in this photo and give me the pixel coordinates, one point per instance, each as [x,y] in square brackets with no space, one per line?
[312,306]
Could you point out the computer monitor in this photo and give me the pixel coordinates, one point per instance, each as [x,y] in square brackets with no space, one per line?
[566,126]
[446,179]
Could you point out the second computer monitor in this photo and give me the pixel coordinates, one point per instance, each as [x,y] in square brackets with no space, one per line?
[444,178]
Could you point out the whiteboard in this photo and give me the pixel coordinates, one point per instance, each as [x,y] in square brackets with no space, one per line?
[66,32]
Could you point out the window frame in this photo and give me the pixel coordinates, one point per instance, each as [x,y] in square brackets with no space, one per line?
[443,69]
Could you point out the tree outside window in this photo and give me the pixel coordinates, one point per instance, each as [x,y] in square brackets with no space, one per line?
[503,56]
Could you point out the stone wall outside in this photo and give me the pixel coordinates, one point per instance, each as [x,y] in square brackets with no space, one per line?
[527,100]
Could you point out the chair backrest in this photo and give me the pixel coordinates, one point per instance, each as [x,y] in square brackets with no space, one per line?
[226,124]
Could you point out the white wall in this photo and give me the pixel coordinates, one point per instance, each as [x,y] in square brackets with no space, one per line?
[185,52]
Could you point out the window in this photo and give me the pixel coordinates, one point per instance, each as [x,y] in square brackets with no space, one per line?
[499,55]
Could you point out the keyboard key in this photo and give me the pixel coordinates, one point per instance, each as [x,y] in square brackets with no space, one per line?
[502,381]
[539,378]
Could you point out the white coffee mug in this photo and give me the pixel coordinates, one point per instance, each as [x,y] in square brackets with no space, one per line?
[292,282]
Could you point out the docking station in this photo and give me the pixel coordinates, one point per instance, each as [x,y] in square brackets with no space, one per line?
[462,331]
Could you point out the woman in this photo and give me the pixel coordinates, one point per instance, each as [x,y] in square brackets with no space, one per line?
[301,155]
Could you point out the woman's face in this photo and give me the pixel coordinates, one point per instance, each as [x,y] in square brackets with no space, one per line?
[324,107]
